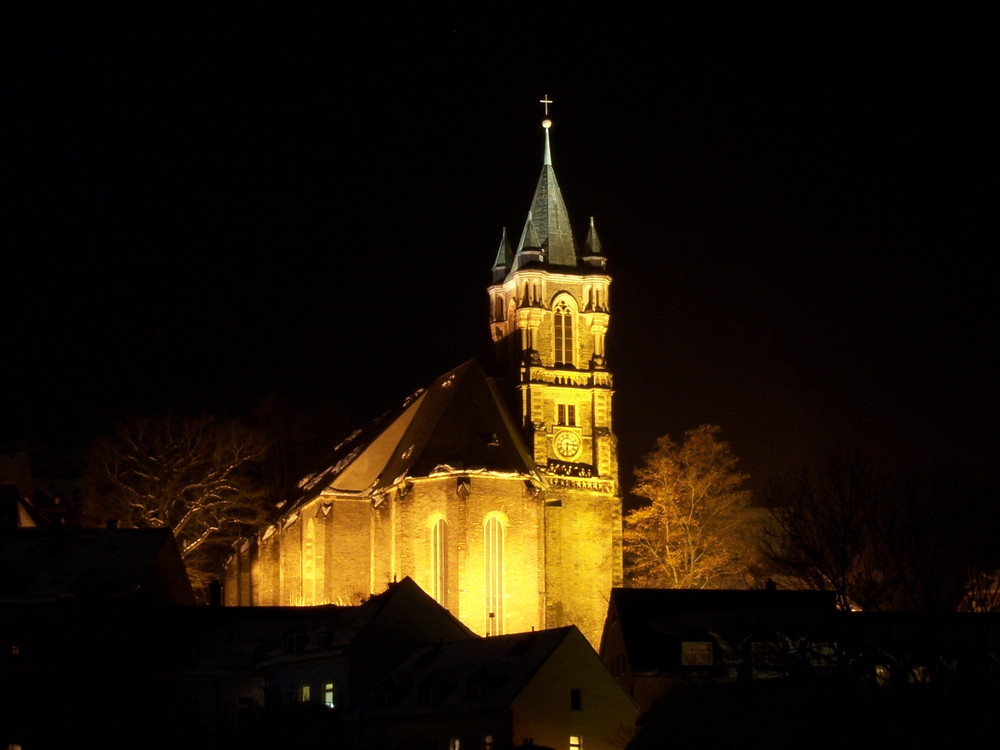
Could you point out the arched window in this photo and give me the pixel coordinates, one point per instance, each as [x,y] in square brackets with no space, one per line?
[562,323]
[309,563]
[493,551]
[439,561]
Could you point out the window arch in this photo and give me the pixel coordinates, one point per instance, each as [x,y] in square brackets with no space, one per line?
[562,332]
[309,563]
[510,317]
[493,552]
[439,559]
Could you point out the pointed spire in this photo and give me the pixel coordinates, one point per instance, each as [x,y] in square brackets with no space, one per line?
[529,236]
[505,258]
[592,255]
[547,236]
[549,211]
[529,249]
[593,244]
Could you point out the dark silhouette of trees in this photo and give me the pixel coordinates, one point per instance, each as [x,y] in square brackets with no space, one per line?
[886,538]
[686,536]
[193,475]
[301,439]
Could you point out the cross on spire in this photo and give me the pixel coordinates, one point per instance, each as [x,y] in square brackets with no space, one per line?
[545,101]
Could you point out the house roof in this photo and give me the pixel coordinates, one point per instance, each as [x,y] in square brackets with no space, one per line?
[248,637]
[55,563]
[468,675]
[459,424]
[652,621]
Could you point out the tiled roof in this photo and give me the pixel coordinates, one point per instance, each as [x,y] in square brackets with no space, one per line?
[46,564]
[467,675]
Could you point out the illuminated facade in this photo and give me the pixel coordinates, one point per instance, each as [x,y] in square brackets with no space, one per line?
[498,496]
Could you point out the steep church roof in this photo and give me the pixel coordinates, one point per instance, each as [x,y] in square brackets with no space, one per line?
[458,424]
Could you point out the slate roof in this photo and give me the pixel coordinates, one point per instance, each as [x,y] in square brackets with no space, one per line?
[547,237]
[248,636]
[504,259]
[592,246]
[457,424]
[470,675]
[550,217]
[56,563]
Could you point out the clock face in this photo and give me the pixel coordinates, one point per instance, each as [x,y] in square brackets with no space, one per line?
[567,443]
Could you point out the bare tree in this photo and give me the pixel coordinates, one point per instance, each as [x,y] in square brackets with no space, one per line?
[941,529]
[686,536]
[301,438]
[886,538]
[821,529]
[192,475]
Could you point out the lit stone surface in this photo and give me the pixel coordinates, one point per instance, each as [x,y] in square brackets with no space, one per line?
[499,498]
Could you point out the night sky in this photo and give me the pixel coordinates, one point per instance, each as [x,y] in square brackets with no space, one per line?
[214,205]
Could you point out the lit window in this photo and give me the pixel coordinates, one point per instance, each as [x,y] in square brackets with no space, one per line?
[488,742]
[439,561]
[309,563]
[575,700]
[566,415]
[493,545]
[563,332]
[575,742]
[304,693]
[454,744]
[696,653]
[329,695]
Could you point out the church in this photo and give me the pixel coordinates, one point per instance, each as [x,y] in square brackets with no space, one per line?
[498,495]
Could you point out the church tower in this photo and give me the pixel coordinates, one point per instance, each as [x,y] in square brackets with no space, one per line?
[549,316]
[499,501]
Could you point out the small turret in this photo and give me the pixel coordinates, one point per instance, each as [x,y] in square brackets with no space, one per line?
[529,249]
[505,258]
[592,249]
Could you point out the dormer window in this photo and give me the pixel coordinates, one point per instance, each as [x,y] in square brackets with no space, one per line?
[295,643]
